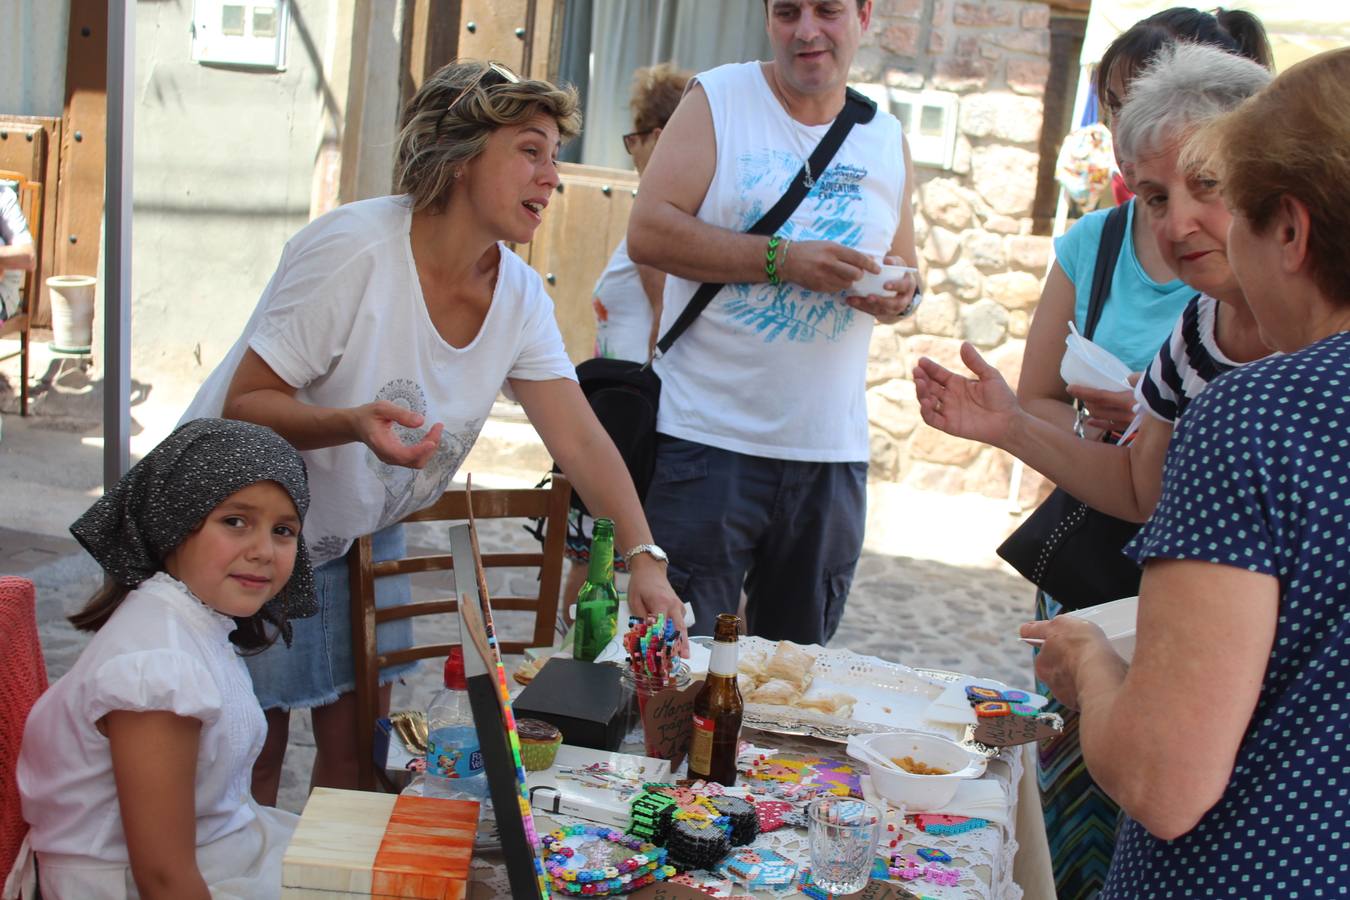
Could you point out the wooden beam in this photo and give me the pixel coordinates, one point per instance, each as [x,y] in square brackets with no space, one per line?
[430,40]
[79,212]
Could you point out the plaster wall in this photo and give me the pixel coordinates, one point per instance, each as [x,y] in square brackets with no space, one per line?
[224,160]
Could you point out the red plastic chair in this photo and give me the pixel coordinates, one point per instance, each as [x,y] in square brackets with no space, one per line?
[23,677]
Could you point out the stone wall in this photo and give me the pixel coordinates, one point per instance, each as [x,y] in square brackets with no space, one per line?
[982,266]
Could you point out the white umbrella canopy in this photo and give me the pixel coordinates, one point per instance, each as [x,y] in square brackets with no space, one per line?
[1298,29]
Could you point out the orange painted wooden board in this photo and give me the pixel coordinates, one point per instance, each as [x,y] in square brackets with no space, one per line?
[360,844]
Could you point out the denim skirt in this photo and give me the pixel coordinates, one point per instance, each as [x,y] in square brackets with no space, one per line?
[317,668]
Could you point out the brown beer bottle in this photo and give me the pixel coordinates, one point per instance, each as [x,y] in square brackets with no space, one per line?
[717,710]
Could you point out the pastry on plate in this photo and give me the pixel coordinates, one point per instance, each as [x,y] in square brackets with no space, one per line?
[790,663]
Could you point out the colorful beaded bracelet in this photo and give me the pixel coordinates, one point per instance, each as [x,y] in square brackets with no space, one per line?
[645,866]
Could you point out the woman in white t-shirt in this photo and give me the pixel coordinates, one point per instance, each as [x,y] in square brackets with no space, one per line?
[378,349]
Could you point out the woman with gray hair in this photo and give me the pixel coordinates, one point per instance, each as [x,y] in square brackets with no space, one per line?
[1186,86]
[378,349]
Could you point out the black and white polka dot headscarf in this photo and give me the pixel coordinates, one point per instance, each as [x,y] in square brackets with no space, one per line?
[165,496]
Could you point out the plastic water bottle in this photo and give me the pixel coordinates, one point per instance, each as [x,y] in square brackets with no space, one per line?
[454,761]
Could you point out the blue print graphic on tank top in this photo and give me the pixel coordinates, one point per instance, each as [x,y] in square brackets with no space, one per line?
[828,213]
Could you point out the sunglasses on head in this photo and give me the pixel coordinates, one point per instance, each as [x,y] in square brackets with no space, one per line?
[505,75]
[630,140]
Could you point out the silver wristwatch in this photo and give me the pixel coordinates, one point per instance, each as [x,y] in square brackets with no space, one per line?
[651,550]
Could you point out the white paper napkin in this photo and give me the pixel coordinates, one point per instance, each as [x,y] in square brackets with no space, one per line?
[976,798]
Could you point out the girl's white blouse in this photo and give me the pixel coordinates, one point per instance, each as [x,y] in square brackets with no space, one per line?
[162,649]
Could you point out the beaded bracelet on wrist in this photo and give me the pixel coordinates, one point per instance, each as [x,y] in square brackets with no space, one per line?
[771,263]
[648,863]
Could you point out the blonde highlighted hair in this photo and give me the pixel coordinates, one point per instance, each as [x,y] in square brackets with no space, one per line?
[1292,140]
[448,121]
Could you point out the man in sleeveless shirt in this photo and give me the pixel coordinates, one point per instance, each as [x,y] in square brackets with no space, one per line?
[760,481]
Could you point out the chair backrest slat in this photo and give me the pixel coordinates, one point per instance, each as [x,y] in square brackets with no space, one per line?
[550,504]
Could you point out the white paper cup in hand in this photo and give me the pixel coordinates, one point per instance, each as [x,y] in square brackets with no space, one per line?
[1090,365]
[870,284]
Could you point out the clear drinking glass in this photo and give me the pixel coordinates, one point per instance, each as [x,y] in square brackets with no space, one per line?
[842,835]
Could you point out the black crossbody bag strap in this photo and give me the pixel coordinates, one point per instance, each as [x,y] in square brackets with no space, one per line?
[1108,251]
[857,110]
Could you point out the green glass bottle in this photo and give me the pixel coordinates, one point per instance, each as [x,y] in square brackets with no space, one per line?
[598,599]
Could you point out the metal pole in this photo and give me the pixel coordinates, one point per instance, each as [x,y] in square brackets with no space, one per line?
[117,243]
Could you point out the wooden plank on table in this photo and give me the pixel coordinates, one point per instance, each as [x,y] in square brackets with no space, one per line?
[79,212]
[364,844]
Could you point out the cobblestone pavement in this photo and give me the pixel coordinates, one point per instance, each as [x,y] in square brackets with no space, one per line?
[917,611]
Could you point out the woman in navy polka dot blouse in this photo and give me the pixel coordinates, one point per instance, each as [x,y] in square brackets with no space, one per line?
[1225,740]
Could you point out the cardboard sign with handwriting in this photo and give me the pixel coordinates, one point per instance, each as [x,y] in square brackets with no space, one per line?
[665,890]
[667,720]
[1009,731]
[880,890]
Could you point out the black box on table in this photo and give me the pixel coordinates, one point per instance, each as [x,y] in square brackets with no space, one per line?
[582,700]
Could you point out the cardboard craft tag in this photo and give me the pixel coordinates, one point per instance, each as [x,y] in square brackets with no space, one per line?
[881,890]
[1009,731]
[667,721]
[669,891]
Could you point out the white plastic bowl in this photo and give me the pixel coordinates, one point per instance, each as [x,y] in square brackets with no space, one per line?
[918,792]
[870,284]
[1117,619]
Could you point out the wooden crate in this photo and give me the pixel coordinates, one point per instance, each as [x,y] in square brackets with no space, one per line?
[358,844]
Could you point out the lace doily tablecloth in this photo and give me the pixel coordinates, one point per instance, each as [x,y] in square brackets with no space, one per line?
[984,856]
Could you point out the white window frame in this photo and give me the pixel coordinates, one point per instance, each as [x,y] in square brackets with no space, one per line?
[210,45]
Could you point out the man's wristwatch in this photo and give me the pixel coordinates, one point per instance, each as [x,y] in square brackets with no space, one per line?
[913,304]
[651,550]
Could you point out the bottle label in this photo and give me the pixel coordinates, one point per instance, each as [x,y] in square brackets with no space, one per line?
[723,660]
[453,760]
[700,746]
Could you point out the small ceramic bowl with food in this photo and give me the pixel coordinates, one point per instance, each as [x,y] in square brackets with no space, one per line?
[919,771]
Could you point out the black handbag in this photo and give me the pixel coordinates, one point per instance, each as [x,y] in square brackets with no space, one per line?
[1066,548]
[625,395]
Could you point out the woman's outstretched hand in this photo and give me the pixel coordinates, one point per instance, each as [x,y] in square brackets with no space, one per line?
[978,409]
[375,423]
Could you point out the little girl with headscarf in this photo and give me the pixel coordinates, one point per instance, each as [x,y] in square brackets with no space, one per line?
[135,766]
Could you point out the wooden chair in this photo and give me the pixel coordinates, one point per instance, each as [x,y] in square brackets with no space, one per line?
[549,503]
[30,201]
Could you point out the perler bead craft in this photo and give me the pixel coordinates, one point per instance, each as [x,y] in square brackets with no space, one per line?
[696,843]
[760,868]
[741,814]
[591,860]
[991,708]
[930,854]
[652,816]
[772,813]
